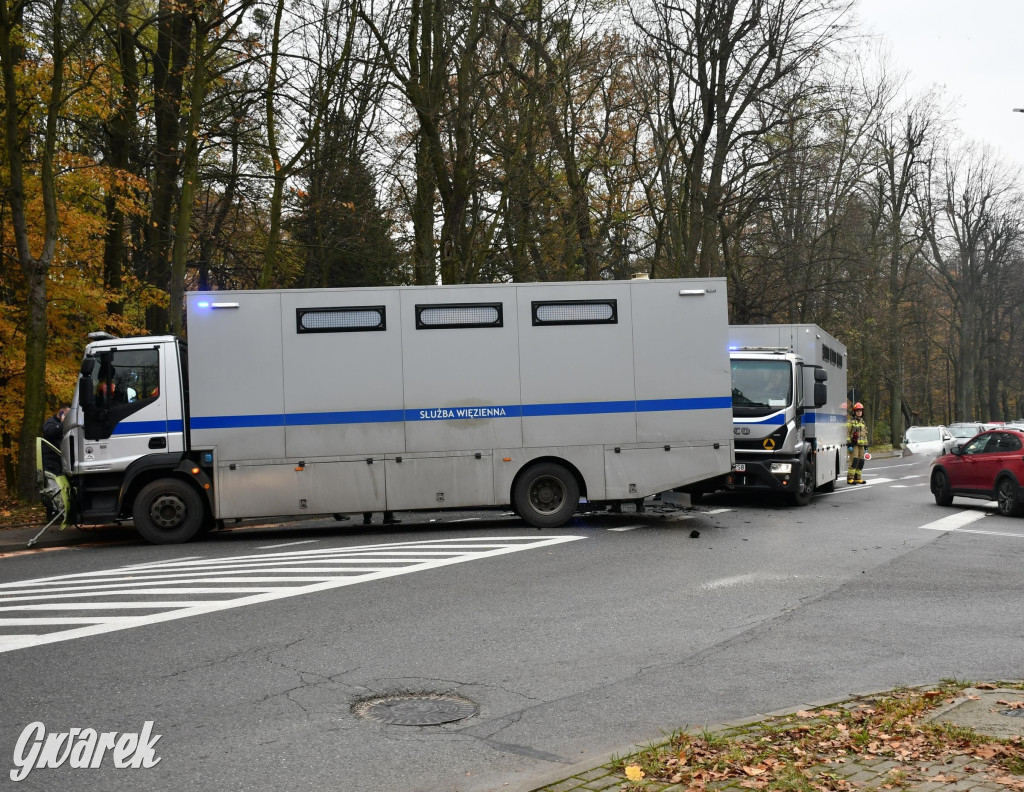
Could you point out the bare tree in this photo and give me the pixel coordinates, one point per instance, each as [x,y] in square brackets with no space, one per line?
[970,218]
[902,140]
[722,60]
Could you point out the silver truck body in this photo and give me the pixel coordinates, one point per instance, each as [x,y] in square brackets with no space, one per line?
[785,441]
[346,400]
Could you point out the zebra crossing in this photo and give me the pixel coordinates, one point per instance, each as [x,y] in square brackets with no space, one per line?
[48,610]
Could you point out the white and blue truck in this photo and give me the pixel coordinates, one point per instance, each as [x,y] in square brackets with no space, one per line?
[788,410]
[286,403]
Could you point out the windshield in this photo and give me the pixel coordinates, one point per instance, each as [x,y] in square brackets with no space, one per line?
[963,431]
[761,387]
[923,434]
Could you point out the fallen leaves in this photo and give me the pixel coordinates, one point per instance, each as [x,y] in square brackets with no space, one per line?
[634,773]
[805,745]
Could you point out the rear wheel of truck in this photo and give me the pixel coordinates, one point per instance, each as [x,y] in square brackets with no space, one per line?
[168,511]
[546,495]
[805,486]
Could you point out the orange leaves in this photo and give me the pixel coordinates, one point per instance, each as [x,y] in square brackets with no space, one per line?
[819,749]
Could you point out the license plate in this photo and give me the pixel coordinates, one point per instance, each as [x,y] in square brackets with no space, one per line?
[739,468]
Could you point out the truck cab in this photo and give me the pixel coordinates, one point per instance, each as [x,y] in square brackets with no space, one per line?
[773,449]
[788,411]
[128,418]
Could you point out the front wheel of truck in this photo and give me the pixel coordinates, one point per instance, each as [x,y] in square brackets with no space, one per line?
[168,511]
[805,486]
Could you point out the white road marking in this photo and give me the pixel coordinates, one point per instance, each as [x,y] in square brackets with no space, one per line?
[196,575]
[956,522]
[908,486]
[718,511]
[975,531]
[287,544]
[857,487]
[626,528]
[729,582]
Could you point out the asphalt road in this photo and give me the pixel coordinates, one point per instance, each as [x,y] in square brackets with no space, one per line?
[571,643]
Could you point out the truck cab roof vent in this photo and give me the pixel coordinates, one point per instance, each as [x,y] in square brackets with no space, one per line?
[100,335]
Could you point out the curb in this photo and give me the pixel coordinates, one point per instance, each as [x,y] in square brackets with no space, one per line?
[599,774]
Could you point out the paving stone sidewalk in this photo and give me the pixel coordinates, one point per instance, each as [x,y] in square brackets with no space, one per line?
[958,774]
[955,769]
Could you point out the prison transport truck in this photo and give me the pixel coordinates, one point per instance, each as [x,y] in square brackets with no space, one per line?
[334,401]
[788,409]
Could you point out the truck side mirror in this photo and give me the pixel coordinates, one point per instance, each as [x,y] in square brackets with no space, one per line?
[820,393]
[86,392]
[86,386]
[820,375]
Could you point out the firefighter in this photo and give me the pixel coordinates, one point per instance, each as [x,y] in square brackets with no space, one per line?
[856,445]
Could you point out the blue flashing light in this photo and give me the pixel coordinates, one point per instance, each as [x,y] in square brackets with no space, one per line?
[203,304]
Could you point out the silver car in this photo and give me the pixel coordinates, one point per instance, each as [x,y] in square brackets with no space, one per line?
[930,441]
[966,431]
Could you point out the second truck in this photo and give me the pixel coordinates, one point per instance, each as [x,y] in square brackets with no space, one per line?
[788,408]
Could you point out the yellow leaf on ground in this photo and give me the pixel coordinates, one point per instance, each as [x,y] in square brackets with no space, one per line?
[634,773]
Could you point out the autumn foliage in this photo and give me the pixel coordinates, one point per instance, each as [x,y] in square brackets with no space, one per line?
[807,751]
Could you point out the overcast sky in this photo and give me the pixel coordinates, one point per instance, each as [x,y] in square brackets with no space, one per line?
[975,49]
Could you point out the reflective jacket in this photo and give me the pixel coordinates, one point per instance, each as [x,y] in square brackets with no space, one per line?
[856,431]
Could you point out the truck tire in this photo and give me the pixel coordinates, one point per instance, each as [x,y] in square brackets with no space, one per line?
[546,495]
[805,485]
[168,511]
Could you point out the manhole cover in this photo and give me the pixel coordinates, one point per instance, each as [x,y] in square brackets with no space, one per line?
[1013,713]
[410,709]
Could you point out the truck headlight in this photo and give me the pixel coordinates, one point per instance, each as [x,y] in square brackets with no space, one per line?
[781,468]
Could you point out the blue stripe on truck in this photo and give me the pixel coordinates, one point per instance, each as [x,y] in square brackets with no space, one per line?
[449,413]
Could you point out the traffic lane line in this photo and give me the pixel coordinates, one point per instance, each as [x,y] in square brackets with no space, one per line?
[956,523]
[868,482]
[82,626]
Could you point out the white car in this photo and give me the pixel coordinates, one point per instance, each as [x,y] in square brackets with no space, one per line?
[930,441]
[966,431]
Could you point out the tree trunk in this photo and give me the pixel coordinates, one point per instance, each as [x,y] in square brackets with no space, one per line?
[120,134]
[35,269]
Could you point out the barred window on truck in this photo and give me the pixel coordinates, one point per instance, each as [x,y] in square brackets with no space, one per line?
[439,316]
[341,320]
[563,312]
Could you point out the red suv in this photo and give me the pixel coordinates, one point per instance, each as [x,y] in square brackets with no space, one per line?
[991,466]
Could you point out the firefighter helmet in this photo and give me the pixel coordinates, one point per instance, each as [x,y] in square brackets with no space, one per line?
[858,406]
